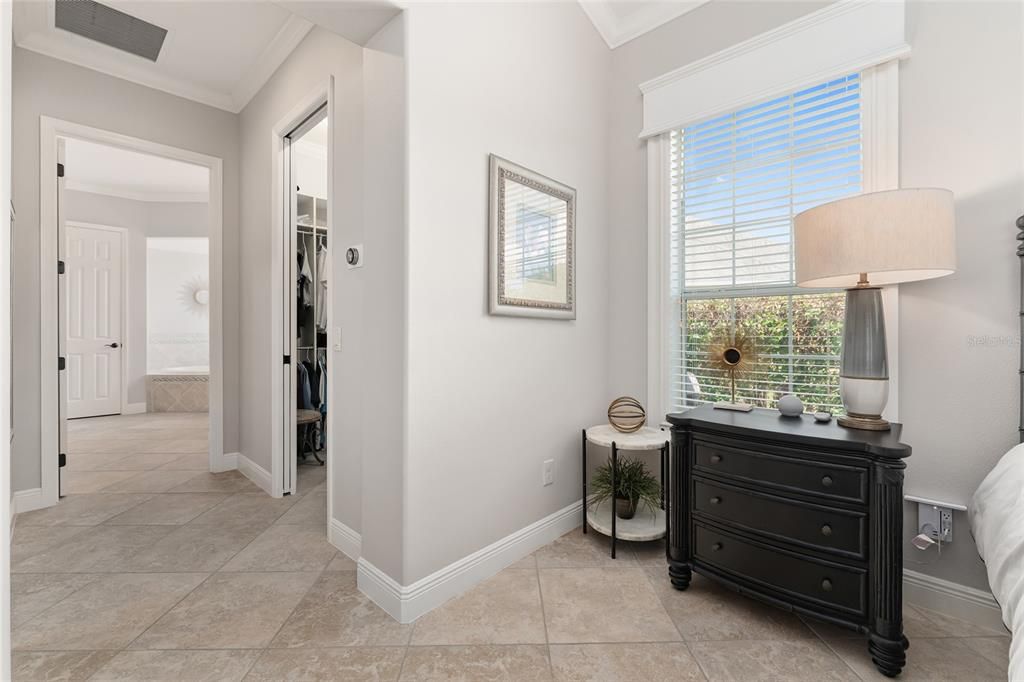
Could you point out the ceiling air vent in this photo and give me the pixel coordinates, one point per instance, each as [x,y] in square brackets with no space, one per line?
[111,27]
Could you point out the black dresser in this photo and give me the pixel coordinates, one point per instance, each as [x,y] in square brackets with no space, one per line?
[802,515]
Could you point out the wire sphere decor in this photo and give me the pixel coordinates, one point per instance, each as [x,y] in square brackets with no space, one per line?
[626,414]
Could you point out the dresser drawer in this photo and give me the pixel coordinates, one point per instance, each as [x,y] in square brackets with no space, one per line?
[833,481]
[831,530]
[835,586]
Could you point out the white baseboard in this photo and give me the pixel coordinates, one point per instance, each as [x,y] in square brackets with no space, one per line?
[228,462]
[253,471]
[406,603]
[12,519]
[344,539]
[952,599]
[28,500]
[134,408]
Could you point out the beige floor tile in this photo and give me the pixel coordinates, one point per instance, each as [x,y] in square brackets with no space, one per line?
[706,611]
[314,665]
[505,609]
[30,540]
[194,548]
[229,611]
[192,462]
[108,613]
[246,509]
[285,548]
[50,666]
[336,613]
[340,562]
[79,482]
[526,562]
[795,661]
[108,446]
[649,553]
[143,462]
[33,593]
[172,509]
[103,549]
[933,660]
[310,510]
[915,625]
[576,550]
[995,649]
[603,605]
[175,666]
[309,477]
[616,662]
[941,625]
[95,462]
[225,482]
[159,481]
[81,510]
[477,663]
[182,445]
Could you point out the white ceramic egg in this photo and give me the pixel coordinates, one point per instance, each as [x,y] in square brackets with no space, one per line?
[790,406]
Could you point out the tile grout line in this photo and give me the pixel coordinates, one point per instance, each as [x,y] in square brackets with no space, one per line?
[543,617]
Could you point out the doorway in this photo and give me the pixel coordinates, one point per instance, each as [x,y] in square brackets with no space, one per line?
[133,227]
[307,288]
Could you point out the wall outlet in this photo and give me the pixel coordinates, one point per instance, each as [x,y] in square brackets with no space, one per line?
[547,472]
[934,521]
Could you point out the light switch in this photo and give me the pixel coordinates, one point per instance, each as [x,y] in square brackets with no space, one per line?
[337,338]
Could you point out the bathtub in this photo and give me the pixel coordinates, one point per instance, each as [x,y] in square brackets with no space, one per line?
[178,389]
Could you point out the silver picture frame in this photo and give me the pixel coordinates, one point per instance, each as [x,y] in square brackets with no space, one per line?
[532,243]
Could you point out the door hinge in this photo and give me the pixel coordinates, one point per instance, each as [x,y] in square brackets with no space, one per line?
[60,170]
[287,359]
[60,267]
[62,460]
[61,362]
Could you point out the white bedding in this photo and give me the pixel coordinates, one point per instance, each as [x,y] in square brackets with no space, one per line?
[997,522]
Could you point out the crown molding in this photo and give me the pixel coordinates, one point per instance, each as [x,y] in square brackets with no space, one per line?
[136,70]
[616,31]
[135,195]
[276,52]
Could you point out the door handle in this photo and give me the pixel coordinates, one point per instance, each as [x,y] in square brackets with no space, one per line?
[112,345]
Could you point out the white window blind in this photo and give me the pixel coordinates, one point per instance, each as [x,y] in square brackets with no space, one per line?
[737,180]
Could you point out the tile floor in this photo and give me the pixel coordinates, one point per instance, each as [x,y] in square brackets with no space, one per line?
[152,569]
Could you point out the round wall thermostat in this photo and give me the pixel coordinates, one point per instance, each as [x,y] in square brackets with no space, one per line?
[352,256]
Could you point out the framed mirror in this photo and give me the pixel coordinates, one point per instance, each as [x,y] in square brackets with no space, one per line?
[533,243]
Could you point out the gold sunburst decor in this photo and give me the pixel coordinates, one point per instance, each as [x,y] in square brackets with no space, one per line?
[734,353]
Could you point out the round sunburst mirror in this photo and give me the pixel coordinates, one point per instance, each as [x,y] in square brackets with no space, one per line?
[735,353]
[194,296]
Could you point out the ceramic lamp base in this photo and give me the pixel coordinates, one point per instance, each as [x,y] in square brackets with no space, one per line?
[864,422]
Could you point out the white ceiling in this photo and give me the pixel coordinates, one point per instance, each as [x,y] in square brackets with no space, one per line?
[98,168]
[218,52]
[619,21]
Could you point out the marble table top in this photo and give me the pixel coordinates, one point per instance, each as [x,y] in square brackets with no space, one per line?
[644,439]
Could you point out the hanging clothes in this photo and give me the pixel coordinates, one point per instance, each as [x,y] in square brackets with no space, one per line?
[313,374]
[304,290]
[305,394]
[323,261]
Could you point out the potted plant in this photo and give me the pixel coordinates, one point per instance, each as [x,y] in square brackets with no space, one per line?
[634,485]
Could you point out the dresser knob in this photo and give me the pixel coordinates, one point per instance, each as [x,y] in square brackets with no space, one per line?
[716,500]
[826,585]
[826,530]
[717,546]
[715,459]
[826,481]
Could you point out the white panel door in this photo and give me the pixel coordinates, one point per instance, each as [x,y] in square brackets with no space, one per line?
[93,324]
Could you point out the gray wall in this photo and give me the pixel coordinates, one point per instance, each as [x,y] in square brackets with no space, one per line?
[320,56]
[141,219]
[489,397]
[48,87]
[960,128]
[381,345]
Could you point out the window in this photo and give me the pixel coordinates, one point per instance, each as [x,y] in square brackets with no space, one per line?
[735,183]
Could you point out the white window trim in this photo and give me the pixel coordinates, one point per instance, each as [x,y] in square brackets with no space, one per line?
[880,123]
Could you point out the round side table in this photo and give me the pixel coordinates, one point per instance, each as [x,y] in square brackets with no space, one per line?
[645,525]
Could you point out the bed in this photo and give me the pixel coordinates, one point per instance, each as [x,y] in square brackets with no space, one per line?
[996,513]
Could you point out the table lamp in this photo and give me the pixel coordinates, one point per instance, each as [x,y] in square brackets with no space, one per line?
[863,243]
